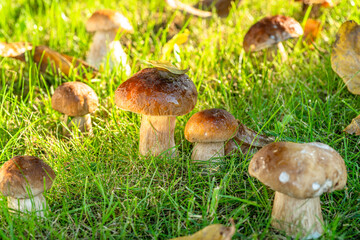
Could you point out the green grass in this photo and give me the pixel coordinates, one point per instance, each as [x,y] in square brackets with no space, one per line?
[104,190]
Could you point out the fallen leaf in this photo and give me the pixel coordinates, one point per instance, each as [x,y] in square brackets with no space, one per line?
[354,126]
[178,39]
[212,232]
[246,138]
[167,66]
[188,9]
[311,30]
[345,56]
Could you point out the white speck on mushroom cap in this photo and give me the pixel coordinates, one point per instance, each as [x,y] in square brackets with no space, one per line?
[274,26]
[272,36]
[315,186]
[172,99]
[284,177]
[324,188]
[321,145]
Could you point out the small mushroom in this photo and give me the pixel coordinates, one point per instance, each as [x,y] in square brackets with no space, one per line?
[106,23]
[269,32]
[209,129]
[159,96]
[222,7]
[299,173]
[78,100]
[23,179]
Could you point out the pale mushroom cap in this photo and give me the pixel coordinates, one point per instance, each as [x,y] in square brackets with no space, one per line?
[211,125]
[74,99]
[299,170]
[156,92]
[270,31]
[106,19]
[23,173]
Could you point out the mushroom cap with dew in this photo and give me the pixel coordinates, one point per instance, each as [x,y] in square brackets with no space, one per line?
[74,99]
[106,20]
[271,30]
[211,125]
[299,170]
[157,92]
[22,175]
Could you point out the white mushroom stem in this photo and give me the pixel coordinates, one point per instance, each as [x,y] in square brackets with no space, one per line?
[157,135]
[205,151]
[103,47]
[282,51]
[83,123]
[36,204]
[297,217]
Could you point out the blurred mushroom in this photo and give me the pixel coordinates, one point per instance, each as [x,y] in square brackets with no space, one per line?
[23,179]
[160,96]
[106,23]
[176,4]
[244,139]
[345,56]
[269,32]
[77,100]
[315,6]
[222,7]
[299,173]
[14,49]
[209,129]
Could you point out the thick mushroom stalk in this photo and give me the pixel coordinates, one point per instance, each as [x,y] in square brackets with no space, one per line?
[297,216]
[83,123]
[204,151]
[157,135]
[104,47]
[36,204]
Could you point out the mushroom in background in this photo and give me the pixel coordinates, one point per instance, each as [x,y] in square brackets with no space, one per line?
[159,95]
[78,100]
[106,24]
[23,179]
[315,6]
[299,173]
[269,32]
[209,130]
[222,7]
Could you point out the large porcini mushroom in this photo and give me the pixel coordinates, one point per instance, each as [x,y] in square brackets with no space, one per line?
[78,100]
[160,96]
[106,24]
[269,32]
[209,129]
[23,179]
[299,173]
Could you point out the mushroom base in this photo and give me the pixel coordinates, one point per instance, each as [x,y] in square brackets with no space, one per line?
[207,151]
[36,204]
[83,123]
[157,135]
[273,51]
[104,44]
[297,217]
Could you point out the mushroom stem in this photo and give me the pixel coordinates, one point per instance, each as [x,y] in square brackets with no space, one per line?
[297,216]
[157,135]
[83,123]
[36,204]
[205,151]
[282,52]
[103,44]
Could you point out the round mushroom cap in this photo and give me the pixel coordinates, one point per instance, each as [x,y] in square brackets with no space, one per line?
[74,99]
[211,125]
[270,31]
[299,170]
[25,176]
[157,92]
[107,19]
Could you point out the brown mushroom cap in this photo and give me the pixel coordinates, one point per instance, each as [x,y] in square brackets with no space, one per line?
[270,31]
[74,99]
[299,170]
[107,19]
[211,125]
[157,93]
[23,173]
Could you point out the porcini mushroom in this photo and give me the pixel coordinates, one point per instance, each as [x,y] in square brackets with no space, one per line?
[106,23]
[159,96]
[209,129]
[78,100]
[269,32]
[299,173]
[23,179]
